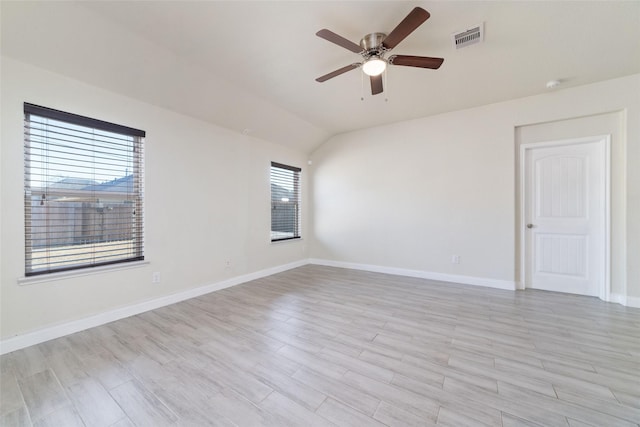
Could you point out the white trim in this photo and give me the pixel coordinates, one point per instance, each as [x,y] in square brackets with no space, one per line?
[618,298]
[41,335]
[607,220]
[36,337]
[443,277]
[287,241]
[605,290]
[49,277]
[632,302]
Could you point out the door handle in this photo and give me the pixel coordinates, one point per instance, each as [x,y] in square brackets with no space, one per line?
[530,226]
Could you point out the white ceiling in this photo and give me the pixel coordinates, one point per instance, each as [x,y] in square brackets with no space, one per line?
[252,65]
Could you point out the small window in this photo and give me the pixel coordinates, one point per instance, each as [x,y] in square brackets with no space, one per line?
[83,192]
[285,202]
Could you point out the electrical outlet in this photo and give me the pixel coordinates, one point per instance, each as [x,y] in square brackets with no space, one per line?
[227,264]
[455,259]
[155,277]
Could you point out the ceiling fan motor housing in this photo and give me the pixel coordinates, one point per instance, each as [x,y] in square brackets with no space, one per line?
[372,45]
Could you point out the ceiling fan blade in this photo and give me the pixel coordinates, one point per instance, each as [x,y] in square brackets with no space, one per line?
[413,20]
[339,40]
[416,61]
[376,84]
[338,72]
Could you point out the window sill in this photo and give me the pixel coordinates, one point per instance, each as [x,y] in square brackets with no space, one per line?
[31,280]
[293,240]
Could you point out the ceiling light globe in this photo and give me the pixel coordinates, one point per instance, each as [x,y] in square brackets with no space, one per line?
[374,66]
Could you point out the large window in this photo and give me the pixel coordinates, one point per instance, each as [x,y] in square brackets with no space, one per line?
[285,202]
[83,191]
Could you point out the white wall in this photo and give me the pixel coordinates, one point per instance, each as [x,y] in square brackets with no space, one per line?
[407,195]
[207,199]
[412,194]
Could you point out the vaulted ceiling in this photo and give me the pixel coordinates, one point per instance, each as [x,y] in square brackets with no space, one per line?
[251,66]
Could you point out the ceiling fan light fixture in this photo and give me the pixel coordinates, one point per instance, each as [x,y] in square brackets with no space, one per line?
[374,46]
[374,66]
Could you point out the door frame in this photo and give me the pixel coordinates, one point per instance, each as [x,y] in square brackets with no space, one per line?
[605,145]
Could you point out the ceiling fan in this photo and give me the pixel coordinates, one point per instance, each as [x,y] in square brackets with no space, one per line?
[374,46]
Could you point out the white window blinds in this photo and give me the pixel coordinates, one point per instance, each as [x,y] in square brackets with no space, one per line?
[285,202]
[83,191]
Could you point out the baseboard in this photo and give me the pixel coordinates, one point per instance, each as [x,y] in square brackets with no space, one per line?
[454,278]
[625,300]
[633,302]
[56,331]
[618,299]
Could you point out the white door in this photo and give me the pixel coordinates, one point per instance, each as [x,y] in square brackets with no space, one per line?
[565,216]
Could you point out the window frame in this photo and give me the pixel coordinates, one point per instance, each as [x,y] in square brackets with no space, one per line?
[297,192]
[136,253]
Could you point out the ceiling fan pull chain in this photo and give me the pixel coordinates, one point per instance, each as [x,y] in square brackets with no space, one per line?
[361,85]
[386,84]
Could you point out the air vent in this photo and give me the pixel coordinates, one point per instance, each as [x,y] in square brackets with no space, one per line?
[468,37]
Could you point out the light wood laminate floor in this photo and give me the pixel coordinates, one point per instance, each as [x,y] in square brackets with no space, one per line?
[320,346]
